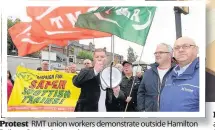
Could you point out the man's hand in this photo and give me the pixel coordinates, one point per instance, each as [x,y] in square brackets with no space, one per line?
[98,66]
[139,74]
[128,99]
[116,91]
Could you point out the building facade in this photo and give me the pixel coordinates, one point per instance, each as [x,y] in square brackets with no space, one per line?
[70,54]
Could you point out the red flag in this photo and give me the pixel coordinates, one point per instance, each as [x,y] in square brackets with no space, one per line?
[59,23]
[27,44]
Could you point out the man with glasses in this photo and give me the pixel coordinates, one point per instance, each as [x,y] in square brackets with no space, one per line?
[148,96]
[181,91]
[87,63]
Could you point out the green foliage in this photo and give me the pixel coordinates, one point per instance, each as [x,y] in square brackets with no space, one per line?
[35,54]
[72,50]
[131,56]
[10,45]
[85,55]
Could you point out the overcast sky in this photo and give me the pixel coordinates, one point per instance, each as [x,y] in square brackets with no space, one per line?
[162,30]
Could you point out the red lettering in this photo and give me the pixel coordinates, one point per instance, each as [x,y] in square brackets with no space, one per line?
[54,84]
[33,84]
[48,83]
[41,84]
[62,84]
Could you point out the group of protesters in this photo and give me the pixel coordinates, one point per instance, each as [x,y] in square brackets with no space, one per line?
[170,84]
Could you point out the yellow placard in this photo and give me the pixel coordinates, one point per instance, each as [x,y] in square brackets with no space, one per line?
[43,91]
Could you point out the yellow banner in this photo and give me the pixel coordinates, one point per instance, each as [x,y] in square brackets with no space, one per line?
[43,91]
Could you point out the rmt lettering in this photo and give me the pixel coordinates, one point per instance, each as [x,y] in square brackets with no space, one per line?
[13,124]
[41,123]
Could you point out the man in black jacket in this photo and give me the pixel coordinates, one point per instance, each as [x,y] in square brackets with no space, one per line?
[121,94]
[148,96]
[92,97]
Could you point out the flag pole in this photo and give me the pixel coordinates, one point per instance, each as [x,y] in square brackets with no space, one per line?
[134,78]
[49,57]
[112,47]
[111,65]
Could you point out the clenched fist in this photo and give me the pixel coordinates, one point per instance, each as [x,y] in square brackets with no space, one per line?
[128,99]
[99,65]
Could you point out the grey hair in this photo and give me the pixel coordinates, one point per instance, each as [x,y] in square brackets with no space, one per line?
[87,60]
[168,47]
[44,62]
[72,64]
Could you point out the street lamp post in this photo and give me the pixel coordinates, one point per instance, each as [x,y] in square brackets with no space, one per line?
[178,11]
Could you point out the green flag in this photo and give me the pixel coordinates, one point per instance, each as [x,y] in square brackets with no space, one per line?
[129,23]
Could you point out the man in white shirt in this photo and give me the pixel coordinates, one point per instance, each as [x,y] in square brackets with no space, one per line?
[148,96]
[92,97]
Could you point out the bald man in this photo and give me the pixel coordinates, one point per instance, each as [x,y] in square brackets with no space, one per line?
[181,90]
[72,68]
[45,66]
[87,63]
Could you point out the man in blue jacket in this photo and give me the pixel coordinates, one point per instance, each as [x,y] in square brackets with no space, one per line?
[148,96]
[181,91]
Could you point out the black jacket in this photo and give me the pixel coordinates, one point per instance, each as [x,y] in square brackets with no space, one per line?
[150,88]
[90,90]
[119,103]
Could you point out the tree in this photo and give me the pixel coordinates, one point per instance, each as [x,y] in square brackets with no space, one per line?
[11,48]
[85,55]
[131,56]
[35,54]
[10,45]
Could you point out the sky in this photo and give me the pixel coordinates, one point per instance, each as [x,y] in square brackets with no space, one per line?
[162,31]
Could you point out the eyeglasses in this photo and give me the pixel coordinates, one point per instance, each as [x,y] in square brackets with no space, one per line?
[160,53]
[184,47]
[86,63]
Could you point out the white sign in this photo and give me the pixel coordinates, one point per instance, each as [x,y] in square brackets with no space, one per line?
[136,69]
[46,54]
[57,65]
